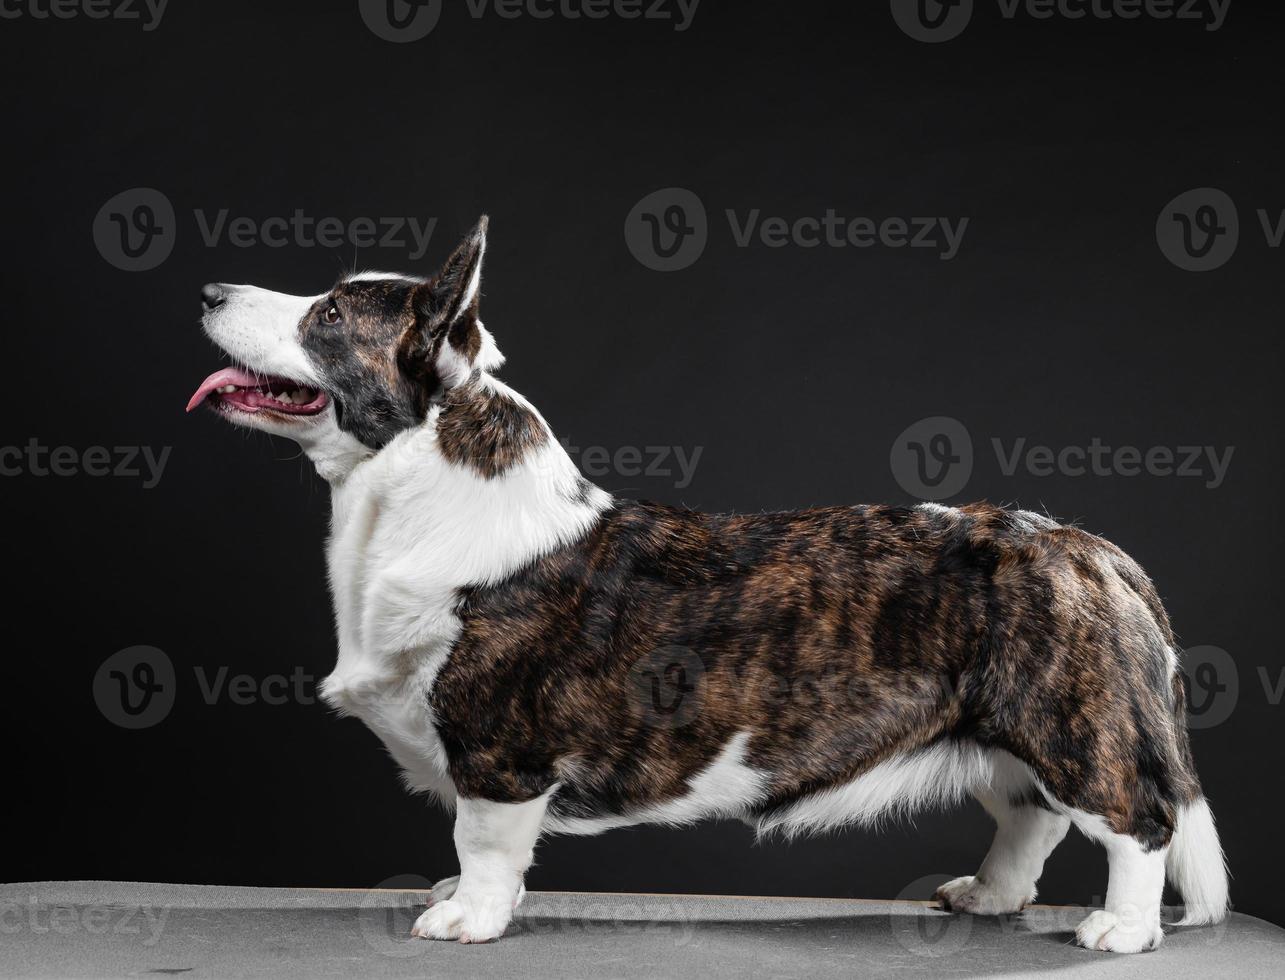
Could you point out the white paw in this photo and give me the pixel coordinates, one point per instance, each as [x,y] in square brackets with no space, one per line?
[469,922]
[980,898]
[1108,932]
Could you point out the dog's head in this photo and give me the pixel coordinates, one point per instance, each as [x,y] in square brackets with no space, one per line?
[361,362]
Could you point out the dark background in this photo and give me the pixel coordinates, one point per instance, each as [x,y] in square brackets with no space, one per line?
[795,369]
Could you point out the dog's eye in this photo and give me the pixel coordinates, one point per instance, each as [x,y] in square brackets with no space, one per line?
[332,315]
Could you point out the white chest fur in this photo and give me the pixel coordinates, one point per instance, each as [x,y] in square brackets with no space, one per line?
[409,530]
[385,671]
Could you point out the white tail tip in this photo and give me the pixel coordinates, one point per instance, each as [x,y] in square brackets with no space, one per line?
[1196,866]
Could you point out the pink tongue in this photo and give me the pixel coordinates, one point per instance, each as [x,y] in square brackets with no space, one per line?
[228,376]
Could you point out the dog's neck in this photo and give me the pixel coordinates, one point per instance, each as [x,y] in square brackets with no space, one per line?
[484,450]
[334,454]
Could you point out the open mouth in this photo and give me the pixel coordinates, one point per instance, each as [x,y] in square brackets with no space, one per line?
[236,390]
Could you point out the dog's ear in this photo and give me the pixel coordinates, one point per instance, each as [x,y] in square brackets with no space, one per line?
[447,335]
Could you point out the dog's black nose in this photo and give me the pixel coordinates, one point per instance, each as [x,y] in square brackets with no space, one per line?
[212,296]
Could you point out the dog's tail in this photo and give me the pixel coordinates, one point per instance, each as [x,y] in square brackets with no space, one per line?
[1195,864]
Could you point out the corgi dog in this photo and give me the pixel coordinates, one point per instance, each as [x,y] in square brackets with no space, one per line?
[545,658]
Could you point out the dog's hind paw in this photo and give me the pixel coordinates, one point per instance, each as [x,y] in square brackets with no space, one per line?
[1106,931]
[970,894]
[443,890]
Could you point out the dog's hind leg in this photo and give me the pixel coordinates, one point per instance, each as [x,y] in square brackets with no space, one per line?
[1026,832]
[1130,922]
[1130,785]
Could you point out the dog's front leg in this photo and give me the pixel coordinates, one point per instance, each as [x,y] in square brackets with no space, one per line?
[445,889]
[495,843]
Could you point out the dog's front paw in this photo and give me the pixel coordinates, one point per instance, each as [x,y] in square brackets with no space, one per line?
[467,921]
[1108,932]
[976,897]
